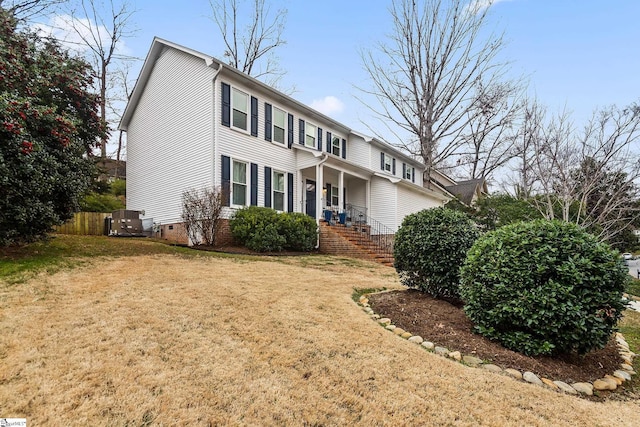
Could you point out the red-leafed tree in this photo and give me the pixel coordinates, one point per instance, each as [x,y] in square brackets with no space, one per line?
[48,125]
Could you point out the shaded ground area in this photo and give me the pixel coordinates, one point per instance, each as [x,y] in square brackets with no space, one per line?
[446,325]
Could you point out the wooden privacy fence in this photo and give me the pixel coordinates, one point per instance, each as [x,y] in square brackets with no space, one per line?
[84,223]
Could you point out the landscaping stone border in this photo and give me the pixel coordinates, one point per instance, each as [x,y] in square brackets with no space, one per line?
[608,382]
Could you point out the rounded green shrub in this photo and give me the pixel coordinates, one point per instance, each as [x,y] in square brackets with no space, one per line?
[265,230]
[299,230]
[543,288]
[429,249]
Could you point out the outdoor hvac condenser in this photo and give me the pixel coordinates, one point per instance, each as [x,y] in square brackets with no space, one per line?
[126,223]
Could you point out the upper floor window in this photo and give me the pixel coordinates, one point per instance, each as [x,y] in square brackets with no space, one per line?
[310,135]
[240,109]
[279,125]
[336,146]
[408,172]
[387,163]
[278,191]
[239,184]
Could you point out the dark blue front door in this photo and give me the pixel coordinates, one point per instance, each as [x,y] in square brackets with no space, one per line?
[311,199]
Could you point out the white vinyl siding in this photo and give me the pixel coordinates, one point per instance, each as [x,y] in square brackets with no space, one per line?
[243,147]
[409,202]
[170,135]
[384,202]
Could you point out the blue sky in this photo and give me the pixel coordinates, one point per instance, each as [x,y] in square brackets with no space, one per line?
[577,55]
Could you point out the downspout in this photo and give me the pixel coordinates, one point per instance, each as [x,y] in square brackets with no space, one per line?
[214,123]
[325,157]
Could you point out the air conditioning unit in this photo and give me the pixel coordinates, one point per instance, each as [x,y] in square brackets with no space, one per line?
[126,223]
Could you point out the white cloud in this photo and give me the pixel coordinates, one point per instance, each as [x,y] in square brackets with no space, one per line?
[328,105]
[75,33]
[477,6]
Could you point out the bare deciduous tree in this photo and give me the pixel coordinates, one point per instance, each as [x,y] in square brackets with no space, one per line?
[101,28]
[488,142]
[529,131]
[201,213]
[590,176]
[250,36]
[27,9]
[426,77]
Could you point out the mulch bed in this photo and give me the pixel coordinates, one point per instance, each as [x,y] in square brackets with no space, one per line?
[446,325]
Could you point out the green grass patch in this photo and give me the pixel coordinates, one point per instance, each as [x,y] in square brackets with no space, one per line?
[633,287]
[19,263]
[358,292]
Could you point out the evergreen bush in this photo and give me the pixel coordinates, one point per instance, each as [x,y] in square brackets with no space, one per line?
[429,249]
[543,288]
[265,230]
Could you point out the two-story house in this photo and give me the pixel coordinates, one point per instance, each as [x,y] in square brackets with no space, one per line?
[194,122]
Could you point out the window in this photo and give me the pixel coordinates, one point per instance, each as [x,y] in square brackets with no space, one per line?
[311,133]
[240,108]
[278,191]
[408,172]
[335,198]
[387,163]
[335,145]
[239,187]
[279,126]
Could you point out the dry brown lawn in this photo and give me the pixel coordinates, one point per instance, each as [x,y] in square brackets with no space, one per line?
[162,340]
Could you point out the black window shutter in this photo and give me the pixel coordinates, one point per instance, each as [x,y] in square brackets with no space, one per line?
[267,121]
[254,184]
[320,139]
[290,133]
[267,187]
[413,175]
[289,192]
[382,161]
[226,180]
[254,116]
[393,166]
[301,131]
[328,194]
[344,148]
[226,105]
[404,170]
[329,142]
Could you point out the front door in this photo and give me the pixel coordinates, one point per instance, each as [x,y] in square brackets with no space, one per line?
[310,208]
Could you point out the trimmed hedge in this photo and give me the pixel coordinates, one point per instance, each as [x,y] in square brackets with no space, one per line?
[429,248]
[543,288]
[265,230]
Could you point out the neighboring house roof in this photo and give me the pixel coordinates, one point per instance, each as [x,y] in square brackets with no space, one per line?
[111,168]
[469,191]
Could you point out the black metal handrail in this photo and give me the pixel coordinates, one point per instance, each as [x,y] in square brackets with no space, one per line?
[370,230]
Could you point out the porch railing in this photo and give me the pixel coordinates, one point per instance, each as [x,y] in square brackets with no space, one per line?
[370,230]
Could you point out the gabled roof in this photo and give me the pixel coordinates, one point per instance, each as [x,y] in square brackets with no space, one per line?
[467,190]
[157,47]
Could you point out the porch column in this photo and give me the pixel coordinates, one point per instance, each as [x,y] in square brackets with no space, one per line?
[341,190]
[319,187]
[367,202]
[302,191]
